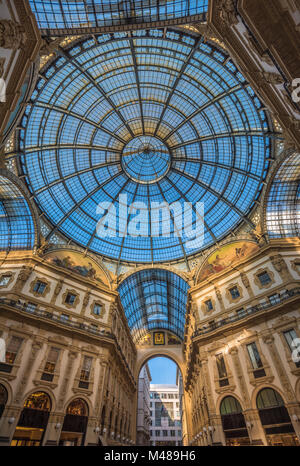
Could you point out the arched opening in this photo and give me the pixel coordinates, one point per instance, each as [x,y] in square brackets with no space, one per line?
[3,399]
[160,404]
[33,420]
[75,424]
[275,418]
[233,422]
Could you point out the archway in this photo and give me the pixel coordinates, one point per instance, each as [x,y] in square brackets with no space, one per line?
[33,420]
[3,398]
[233,422]
[275,418]
[160,403]
[75,423]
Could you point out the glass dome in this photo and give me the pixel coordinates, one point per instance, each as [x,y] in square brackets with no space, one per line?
[133,121]
[69,14]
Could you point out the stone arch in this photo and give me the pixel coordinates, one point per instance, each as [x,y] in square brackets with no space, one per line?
[45,390]
[159,352]
[225,395]
[8,388]
[261,387]
[76,397]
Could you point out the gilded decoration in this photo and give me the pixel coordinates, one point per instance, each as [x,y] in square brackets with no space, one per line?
[158,338]
[226,257]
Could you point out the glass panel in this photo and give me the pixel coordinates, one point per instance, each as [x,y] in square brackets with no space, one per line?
[269,398]
[71,14]
[221,366]
[154,299]
[254,356]
[230,405]
[174,102]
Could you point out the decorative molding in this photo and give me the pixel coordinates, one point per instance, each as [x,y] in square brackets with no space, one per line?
[97,301]
[258,282]
[46,290]
[228,294]
[76,300]
[12,34]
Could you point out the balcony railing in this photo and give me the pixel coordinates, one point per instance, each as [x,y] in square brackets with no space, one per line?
[280,298]
[35,311]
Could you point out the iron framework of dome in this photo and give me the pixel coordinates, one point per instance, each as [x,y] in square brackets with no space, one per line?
[59,16]
[16,222]
[154,299]
[154,115]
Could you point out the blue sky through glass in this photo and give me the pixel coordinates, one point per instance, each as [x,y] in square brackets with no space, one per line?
[107,91]
[162,370]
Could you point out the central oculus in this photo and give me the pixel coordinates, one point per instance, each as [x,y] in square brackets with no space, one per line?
[146,159]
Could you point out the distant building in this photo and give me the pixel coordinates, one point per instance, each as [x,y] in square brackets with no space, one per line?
[143,413]
[165,415]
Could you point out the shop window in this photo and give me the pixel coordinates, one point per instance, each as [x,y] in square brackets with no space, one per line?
[275,418]
[75,424]
[233,422]
[33,420]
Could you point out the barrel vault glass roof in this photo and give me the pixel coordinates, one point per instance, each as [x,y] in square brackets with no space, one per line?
[154,299]
[154,115]
[16,223]
[71,14]
[283,204]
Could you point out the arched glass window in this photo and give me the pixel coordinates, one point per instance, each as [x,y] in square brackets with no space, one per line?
[230,405]
[38,400]
[77,407]
[3,398]
[268,398]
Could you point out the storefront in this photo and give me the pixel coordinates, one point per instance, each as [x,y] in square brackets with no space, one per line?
[75,424]
[233,422]
[275,419]
[33,420]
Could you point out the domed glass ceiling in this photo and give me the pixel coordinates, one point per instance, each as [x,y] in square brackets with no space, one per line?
[151,116]
[68,14]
